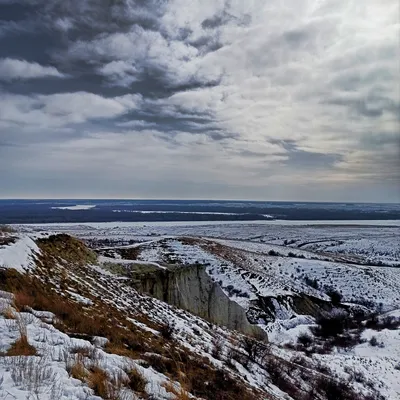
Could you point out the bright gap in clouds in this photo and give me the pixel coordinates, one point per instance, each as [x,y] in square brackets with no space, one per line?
[277,100]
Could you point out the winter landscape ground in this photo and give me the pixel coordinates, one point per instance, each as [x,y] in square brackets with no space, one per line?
[200,311]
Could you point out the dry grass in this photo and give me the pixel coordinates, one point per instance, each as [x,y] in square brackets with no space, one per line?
[85,351]
[8,313]
[23,300]
[77,370]
[122,349]
[125,338]
[65,248]
[98,381]
[21,347]
[180,394]
[99,320]
[6,235]
[136,381]
[6,229]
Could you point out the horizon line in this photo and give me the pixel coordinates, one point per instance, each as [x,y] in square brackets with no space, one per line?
[193,199]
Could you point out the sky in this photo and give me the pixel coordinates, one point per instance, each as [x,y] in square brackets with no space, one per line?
[207,99]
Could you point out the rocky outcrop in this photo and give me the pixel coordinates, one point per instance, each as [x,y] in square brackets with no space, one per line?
[268,309]
[191,289]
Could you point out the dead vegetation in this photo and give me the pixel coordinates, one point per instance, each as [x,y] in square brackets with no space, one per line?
[124,338]
[6,229]
[197,375]
[77,369]
[65,248]
[7,236]
[136,381]
[179,392]
[21,347]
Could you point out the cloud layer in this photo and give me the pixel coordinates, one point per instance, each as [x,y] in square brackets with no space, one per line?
[208,99]
[11,69]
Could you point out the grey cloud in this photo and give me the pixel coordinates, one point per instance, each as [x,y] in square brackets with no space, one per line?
[258,92]
[299,158]
[379,139]
[306,159]
[372,106]
[223,18]
[11,69]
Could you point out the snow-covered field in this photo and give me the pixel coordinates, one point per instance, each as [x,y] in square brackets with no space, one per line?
[253,263]
[360,241]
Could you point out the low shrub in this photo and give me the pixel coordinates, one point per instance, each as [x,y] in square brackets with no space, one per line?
[255,349]
[335,295]
[379,323]
[305,340]
[238,356]
[217,348]
[311,282]
[373,341]
[331,324]
[334,390]
[167,331]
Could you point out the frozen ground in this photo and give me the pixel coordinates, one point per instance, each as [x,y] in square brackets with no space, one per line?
[369,242]
[252,261]
[46,376]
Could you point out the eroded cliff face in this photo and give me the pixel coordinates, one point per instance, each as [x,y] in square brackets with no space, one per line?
[285,307]
[192,289]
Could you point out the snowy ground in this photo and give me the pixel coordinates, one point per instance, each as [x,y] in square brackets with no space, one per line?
[360,241]
[248,261]
[45,376]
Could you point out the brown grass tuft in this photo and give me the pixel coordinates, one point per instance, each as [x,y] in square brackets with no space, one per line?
[77,370]
[98,381]
[8,313]
[23,300]
[21,347]
[136,381]
[180,394]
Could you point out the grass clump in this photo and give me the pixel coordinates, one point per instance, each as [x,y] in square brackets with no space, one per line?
[21,347]
[98,381]
[77,370]
[136,382]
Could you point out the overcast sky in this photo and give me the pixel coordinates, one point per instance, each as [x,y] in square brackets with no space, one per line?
[216,99]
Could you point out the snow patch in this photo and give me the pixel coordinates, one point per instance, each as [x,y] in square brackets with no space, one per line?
[19,255]
[75,207]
